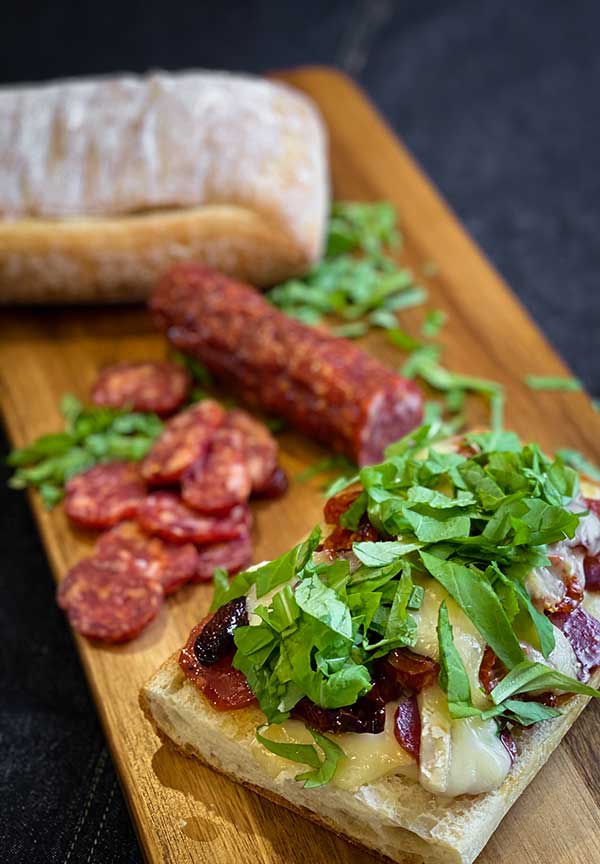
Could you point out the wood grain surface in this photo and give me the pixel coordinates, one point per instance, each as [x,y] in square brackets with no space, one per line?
[183,812]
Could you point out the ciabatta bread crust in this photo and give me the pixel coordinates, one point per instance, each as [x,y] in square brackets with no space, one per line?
[105,183]
[393,816]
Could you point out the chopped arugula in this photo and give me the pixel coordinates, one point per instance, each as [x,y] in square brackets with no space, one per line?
[326,465]
[323,770]
[579,462]
[423,363]
[364,291]
[434,321]
[552,382]
[93,434]
[475,521]
[359,226]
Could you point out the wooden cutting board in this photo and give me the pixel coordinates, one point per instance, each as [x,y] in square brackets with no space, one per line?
[182,811]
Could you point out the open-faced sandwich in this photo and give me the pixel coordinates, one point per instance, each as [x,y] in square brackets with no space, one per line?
[402,674]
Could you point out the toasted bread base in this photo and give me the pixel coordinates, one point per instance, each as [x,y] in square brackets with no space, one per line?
[394,816]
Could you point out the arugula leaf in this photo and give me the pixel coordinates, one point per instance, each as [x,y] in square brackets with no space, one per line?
[433,322]
[376,554]
[527,676]
[453,678]
[93,434]
[578,461]
[528,713]
[324,604]
[552,382]
[267,577]
[328,463]
[361,226]
[332,753]
[306,754]
[424,363]
[480,603]
[542,624]
[351,517]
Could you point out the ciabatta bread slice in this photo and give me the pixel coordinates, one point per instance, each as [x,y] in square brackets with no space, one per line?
[105,183]
[393,816]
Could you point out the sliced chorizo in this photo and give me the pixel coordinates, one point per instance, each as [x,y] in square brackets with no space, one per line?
[105,494]
[104,604]
[127,547]
[166,515]
[231,555]
[183,441]
[148,386]
[220,480]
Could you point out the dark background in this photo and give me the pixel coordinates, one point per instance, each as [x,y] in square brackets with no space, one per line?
[500,103]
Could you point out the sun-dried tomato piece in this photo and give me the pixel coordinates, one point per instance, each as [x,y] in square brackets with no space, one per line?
[341,539]
[366,715]
[336,506]
[225,687]
[411,670]
[491,671]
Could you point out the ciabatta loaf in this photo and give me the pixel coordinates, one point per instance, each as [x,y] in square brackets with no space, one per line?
[105,183]
[394,816]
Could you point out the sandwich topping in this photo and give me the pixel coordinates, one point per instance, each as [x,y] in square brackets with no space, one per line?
[448,605]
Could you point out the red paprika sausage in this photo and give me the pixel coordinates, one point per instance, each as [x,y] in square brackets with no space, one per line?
[325,386]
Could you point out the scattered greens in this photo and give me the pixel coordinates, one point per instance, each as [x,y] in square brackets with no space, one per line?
[363,291]
[92,434]
[433,323]
[327,465]
[423,363]
[578,461]
[552,382]
[475,521]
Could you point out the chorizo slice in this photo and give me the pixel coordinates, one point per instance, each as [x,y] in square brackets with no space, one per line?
[104,604]
[219,481]
[105,494]
[260,448]
[167,516]
[183,441]
[231,555]
[127,547]
[149,386]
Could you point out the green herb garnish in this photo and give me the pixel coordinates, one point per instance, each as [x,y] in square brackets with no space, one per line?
[579,462]
[92,434]
[424,363]
[552,382]
[306,754]
[364,291]
[476,524]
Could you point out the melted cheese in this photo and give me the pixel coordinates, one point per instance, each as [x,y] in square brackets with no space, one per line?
[458,757]
[591,603]
[467,639]
[368,757]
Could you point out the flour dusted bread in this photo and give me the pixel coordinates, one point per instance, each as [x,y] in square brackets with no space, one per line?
[393,816]
[105,183]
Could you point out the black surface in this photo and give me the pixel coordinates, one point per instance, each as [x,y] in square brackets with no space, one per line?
[498,101]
